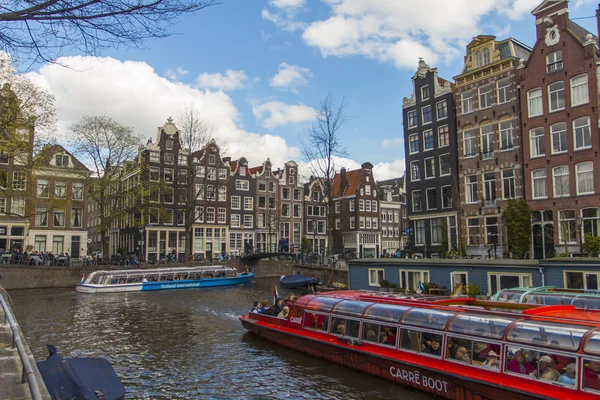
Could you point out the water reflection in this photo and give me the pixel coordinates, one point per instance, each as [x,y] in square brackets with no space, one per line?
[187,344]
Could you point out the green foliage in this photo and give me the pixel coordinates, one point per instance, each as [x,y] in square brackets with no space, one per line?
[393,285]
[517,219]
[472,290]
[452,253]
[384,283]
[305,245]
[591,246]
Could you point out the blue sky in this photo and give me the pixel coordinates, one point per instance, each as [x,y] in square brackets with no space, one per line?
[283,57]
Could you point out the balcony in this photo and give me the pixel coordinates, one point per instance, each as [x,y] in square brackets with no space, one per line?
[489,202]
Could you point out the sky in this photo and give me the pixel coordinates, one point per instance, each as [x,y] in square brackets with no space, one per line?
[256,70]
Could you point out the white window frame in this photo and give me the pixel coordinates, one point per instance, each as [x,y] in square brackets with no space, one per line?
[523,278]
[535,95]
[485,95]
[584,278]
[562,133]
[423,115]
[466,100]
[236,202]
[437,109]
[430,160]
[582,130]
[577,172]
[562,184]
[503,89]
[539,138]
[408,115]
[582,84]
[375,282]
[555,92]
[533,193]
[421,273]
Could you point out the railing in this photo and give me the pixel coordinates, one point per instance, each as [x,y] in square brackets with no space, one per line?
[28,371]
[489,202]
[488,154]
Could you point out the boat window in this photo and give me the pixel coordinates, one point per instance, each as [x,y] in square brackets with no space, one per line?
[427,318]
[315,321]
[591,375]
[547,299]
[480,326]
[510,295]
[385,312]
[324,304]
[541,365]
[345,327]
[593,344]
[474,352]
[421,342]
[351,308]
[548,334]
[381,334]
[587,302]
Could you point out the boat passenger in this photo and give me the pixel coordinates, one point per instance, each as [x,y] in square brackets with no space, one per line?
[546,369]
[263,309]
[340,329]
[434,348]
[569,376]
[492,360]
[390,336]
[463,355]
[276,308]
[289,302]
[371,336]
[519,364]
[591,375]
[284,312]
[254,308]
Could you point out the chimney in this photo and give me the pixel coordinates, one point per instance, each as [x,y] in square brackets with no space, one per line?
[343,181]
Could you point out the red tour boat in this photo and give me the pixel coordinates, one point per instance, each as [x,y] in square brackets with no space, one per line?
[454,348]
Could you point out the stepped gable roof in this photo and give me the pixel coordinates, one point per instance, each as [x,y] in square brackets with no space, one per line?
[353,181]
[46,155]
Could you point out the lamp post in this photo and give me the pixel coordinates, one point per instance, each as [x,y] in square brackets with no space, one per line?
[142,242]
[579,220]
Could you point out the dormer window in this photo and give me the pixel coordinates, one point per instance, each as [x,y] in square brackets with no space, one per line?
[478,60]
[62,161]
[242,171]
[554,61]
[212,159]
[169,144]
[486,56]
[424,92]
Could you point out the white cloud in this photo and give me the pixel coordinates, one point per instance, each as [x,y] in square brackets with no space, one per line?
[233,79]
[385,170]
[287,3]
[133,94]
[381,171]
[392,142]
[290,77]
[175,73]
[579,3]
[276,113]
[398,32]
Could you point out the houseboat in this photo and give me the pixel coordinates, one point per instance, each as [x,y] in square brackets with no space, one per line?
[449,350]
[550,295]
[136,280]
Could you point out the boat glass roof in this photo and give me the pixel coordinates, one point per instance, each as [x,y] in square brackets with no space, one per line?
[593,344]
[386,312]
[548,334]
[592,302]
[549,298]
[351,308]
[493,327]
[427,318]
[323,304]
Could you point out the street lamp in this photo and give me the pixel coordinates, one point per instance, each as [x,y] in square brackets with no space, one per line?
[579,220]
[142,243]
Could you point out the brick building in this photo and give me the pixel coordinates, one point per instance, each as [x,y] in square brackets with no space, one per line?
[290,205]
[268,212]
[559,94]
[242,215]
[489,141]
[315,215]
[431,165]
[392,200]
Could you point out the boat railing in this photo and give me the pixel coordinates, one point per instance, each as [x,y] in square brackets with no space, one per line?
[28,370]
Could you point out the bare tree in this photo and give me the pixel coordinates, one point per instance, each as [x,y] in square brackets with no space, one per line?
[106,146]
[41,30]
[321,148]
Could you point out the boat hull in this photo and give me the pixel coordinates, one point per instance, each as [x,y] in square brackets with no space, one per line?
[166,285]
[435,382]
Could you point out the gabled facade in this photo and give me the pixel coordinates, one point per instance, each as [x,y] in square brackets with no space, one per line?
[60,201]
[559,94]
[391,204]
[242,215]
[290,205]
[315,215]
[356,230]
[267,207]
[490,146]
[431,165]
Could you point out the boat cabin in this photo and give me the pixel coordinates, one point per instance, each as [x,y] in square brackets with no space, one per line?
[119,277]
[550,295]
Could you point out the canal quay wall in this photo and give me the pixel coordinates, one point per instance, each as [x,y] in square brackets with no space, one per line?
[16,277]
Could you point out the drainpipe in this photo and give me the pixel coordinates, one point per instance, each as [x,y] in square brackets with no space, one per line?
[543,277]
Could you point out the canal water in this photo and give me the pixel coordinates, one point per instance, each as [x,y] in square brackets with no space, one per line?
[187,344]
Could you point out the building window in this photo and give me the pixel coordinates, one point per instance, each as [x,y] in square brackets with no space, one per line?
[361,222]
[426,116]
[487,141]
[478,59]
[210,215]
[503,88]
[367,189]
[361,205]
[351,205]
[410,279]
[419,232]
[567,226]
[58,245]
[534,101]
[40,243]
[491,230]
[554,61]
[154,157]
[248,221]
[485,97]
[579,90]
[415,172]
[473,231]
[41,216]
[169,194]
[489,188]
[297,194]
[42,188]
[436,231]
[248,203]
[424,92]
[506,139]
[168,217]
[182,179]
[443,136]
[414,143]
[505,280]
[76,214]
[416,201]
[559,137]
[200,171]
[428,140]
[337,224]
[431,199]
[2,205]
[486,56]
[169,158]
[59,218]
[537,142]
[168,173]
[337,207]
[296,210]
[442,109]
[291,180]
[471,183]
[62,161]
[539,184]
[182,159]
[285,210]
[446,196]
[469,143]
[368,205]
[153,216]
[582,133]
[169,144]
[430,168]
[412,119]
[235,220]
[211,173]
[591,221]
[445,168]
[561,181]
[221,215]
[581,280]
[18,206]
[212,159]
[467,102]
[285,193]
[19,180]
[508,184]
[374,205]
[242,184]
[235,202]
[585,178]
[556,96]
[376,275]
[222,193]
